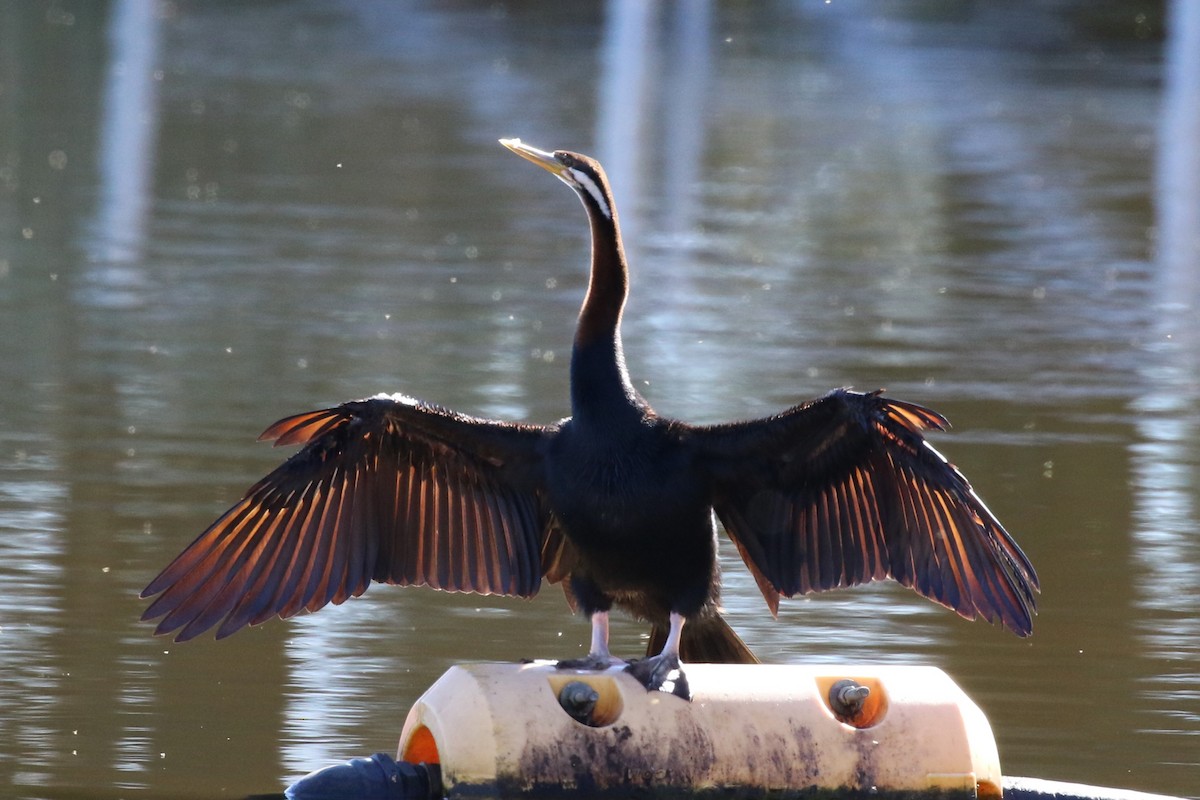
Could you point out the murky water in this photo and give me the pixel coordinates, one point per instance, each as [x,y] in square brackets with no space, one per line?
[213,215]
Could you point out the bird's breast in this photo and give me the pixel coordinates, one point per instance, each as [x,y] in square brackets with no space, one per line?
[607,489]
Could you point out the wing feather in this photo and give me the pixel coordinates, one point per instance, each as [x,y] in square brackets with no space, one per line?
[846,490]
[262,589]
[385,489]
[508,571]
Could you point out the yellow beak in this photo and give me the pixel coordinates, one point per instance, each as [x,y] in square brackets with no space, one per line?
[545,160]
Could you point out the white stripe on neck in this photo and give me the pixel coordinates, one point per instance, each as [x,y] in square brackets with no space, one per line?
[589,186]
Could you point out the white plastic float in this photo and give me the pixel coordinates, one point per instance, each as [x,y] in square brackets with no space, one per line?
[750,731]
[499,730]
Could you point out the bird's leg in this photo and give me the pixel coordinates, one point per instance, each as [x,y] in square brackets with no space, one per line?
[663,672]
[598,656]
[599,648]
[674,635]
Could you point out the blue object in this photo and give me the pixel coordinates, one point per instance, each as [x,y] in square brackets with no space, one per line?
[378,777]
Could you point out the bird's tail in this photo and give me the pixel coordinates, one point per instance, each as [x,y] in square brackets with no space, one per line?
[706,640]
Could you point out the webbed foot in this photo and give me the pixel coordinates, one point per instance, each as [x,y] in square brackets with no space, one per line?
[592,662]
[662,673]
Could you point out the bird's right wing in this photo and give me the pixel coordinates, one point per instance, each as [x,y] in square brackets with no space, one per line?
[387,489]
[846,490]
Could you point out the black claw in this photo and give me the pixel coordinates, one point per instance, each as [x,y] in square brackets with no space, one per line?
[661,673]
[590,663]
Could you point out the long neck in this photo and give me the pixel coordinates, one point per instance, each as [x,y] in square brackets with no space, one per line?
[600,385]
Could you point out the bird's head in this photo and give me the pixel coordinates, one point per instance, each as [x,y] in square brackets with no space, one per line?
[583,174]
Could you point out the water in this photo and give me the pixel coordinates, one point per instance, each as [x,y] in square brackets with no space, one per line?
[214,215]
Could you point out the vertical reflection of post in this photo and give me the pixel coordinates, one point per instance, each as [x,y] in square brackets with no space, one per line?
[686,83]
[684,106]
[1178,182]
[624,72]
[632,70]
[1166,458]
[129,111]
[128,130]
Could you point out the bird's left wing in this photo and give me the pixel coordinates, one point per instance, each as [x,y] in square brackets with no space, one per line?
[845,490]
[387,489]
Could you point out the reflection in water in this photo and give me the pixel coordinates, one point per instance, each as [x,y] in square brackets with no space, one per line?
[664,255]
[626,71]
[31,549]
[1166,455]
[330,671]
[127,134]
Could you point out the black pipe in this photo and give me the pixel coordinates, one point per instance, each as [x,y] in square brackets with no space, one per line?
[378,777]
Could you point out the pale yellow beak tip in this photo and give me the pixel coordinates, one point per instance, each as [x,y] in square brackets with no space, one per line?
[542,158]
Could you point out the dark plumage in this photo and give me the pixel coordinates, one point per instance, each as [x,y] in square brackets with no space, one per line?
[615,500]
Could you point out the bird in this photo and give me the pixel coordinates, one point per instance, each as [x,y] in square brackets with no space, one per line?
[617,504]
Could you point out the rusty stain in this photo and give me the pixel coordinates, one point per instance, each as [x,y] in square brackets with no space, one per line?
[866,769]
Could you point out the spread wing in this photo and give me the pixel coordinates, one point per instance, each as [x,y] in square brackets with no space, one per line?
[386,489]
[845,490]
